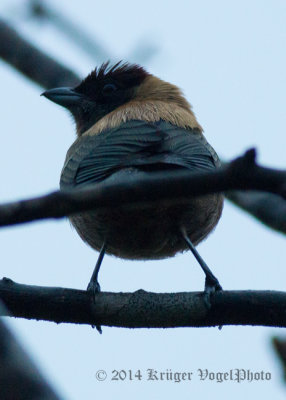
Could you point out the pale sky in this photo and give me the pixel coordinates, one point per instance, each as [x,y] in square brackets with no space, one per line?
[229,59]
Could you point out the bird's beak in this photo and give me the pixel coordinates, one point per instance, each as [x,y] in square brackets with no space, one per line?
[64,96]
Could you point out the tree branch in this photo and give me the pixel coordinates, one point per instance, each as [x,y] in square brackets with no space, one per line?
[242,173]
[268,208]
[43,12]
[142,309]
[19,377]
[32,62]
[279,345]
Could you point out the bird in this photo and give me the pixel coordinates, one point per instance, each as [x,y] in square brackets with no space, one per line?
[132,123]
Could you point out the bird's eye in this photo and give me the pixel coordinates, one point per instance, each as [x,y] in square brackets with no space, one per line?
[109,88]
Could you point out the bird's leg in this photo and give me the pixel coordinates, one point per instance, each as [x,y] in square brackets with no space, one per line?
[94,287]
[211,283]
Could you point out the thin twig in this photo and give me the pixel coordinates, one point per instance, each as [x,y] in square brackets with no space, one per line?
[74,33]
[91,45]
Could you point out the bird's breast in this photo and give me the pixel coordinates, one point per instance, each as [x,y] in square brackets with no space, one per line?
[149,232]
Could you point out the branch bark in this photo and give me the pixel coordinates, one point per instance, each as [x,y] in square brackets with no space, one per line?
[242,173]
[143,309]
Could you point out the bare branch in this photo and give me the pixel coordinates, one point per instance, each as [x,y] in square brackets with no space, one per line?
[92,47]
[279,345]
[242,173]
[39,9]
[19,377]
[143,309]
[268,208]
[32,62]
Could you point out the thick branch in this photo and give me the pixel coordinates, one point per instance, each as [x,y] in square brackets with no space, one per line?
[32,62]
[142,309]
[242,173]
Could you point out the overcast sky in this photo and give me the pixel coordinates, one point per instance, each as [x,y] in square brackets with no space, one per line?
[229,59]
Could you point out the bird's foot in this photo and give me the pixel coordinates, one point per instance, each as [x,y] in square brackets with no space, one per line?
[93,289]
[212,285]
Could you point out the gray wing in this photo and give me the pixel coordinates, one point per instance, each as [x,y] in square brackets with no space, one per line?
[139,144]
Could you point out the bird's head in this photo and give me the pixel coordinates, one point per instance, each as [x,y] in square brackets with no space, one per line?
[109,87]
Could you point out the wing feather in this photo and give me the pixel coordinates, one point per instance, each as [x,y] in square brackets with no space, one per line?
[139,144]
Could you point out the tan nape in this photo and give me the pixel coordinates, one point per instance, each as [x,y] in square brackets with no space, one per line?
[153,100]
[154,88]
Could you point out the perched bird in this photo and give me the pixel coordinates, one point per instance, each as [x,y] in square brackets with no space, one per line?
[131,122]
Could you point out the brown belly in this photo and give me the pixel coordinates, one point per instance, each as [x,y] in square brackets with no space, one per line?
[152,232]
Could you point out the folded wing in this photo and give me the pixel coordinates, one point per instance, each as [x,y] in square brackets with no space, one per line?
[139,144]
